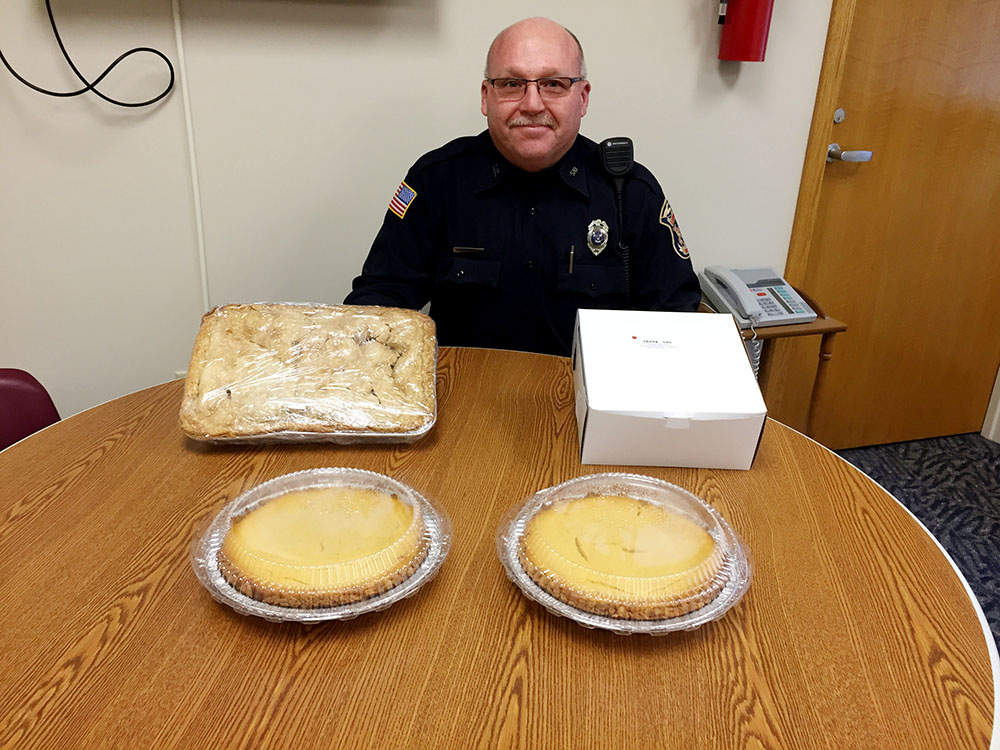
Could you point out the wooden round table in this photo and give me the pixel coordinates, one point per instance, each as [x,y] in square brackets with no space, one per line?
[856,631]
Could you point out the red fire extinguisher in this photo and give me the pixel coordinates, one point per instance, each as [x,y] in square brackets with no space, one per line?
[745,24]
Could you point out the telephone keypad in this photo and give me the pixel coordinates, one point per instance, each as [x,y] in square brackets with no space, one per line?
[784,294]
[768,304]
[780,303]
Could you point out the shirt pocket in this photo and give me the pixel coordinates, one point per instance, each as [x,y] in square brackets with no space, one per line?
[593,280]
[468,271]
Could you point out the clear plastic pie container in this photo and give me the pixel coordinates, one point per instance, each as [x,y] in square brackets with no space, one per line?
[626,553]
[388,541]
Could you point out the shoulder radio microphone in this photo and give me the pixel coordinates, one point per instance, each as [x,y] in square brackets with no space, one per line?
[617,159]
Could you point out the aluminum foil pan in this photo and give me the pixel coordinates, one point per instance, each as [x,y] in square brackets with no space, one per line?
[204,550]
[332,438]
[635,485]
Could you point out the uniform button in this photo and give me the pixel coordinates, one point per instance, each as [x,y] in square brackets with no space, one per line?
[460,273]
[532,210]
[593,286]
[531,264]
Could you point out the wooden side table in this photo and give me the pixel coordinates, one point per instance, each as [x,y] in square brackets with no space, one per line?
[823,326]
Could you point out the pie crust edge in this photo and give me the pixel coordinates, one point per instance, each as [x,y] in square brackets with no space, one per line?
[307,598]
[716,576]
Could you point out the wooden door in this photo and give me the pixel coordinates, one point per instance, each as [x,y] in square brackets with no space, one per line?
[904,249]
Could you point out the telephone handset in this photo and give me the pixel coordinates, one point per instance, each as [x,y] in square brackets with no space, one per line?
[756,297]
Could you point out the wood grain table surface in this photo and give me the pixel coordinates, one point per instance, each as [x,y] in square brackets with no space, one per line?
[856,631]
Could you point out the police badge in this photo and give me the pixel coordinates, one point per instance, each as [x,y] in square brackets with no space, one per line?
[597,236]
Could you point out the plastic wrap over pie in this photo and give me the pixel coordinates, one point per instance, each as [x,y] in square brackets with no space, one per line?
[323,546]
[271,369]
[622,556]
[624,552]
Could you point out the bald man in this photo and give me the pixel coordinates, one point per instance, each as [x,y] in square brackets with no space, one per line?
[508,233]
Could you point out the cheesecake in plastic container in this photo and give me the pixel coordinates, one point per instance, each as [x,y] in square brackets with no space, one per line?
[322,544]
[624,552]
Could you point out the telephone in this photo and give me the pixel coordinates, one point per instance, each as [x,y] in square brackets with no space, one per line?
[757,297]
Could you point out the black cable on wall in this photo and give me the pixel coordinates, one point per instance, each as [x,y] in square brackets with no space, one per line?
[92,85]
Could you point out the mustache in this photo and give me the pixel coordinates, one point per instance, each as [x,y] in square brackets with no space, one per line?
[524,121]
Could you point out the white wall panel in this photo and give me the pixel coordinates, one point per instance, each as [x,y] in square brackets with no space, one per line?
[305,115]
[99,277]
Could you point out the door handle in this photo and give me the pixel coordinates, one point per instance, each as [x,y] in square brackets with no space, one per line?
[835,153]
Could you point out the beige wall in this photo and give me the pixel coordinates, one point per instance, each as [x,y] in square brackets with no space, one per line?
[99,281]
[303,118]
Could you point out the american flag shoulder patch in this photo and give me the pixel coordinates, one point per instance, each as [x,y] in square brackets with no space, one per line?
[402,199]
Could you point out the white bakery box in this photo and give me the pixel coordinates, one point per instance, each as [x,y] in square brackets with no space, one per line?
[665,389]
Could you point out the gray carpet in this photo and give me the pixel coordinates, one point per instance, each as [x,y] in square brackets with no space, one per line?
[952,484]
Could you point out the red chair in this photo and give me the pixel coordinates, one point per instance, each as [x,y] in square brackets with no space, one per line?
[25,406]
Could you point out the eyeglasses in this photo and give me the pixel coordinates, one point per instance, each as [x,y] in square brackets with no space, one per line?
[548,88]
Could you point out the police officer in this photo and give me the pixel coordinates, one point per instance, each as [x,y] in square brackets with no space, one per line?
[508,233]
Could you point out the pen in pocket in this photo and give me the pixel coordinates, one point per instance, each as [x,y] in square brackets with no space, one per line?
[572,249]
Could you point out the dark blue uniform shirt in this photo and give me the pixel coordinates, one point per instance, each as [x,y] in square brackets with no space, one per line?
[502,255]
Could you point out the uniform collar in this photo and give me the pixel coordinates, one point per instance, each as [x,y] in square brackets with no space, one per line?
[496,169]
